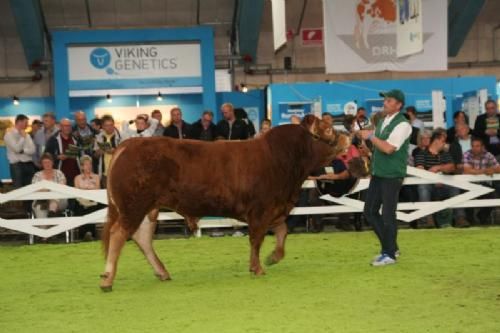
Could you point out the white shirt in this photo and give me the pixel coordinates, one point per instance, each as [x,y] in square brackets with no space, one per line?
[360,125]
[399,134]
[127,132]
[465,144]
[417,123]
[19,148]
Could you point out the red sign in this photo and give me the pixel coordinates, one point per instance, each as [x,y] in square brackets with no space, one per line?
[312,37]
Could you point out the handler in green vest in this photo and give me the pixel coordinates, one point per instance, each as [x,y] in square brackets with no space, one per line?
[390,140]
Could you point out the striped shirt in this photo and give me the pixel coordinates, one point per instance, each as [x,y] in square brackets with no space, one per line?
[427,160]
[484,161]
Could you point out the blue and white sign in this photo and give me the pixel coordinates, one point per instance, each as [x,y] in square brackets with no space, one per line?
[154,64]
[423,105]
[335,109]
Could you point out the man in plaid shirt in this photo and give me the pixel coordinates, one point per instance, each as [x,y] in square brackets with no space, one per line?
[478,161]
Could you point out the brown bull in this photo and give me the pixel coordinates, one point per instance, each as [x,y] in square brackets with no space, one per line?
[256,181]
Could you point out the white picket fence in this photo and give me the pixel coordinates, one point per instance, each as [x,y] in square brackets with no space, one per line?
[48,227]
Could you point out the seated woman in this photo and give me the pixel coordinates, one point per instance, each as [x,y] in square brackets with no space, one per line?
[87,180]
[54,207]
[336,181]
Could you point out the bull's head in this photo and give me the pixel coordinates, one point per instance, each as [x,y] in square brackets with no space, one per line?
[331,144]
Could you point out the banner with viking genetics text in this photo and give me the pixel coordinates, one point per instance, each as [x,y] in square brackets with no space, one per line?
[360,36]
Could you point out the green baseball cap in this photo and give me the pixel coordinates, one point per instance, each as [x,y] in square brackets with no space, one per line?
[394,93]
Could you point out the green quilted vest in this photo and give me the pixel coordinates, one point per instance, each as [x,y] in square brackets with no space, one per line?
[393,165]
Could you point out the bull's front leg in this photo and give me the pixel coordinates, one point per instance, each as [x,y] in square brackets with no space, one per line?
[257,235]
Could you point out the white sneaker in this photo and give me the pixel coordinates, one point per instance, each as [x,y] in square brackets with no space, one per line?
[397,254]
[383,260]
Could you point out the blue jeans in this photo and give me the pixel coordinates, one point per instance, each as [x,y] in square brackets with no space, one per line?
[22,173]
[384,192]
[428,192]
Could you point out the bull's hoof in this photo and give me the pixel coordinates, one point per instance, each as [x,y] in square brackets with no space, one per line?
[270,260]
[163,277]
[257,271]
[106,289]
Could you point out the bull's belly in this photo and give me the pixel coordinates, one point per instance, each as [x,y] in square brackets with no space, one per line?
[206,206]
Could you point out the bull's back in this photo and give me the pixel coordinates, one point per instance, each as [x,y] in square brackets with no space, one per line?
[192,177]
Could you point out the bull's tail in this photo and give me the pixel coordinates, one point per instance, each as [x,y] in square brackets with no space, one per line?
[111,220]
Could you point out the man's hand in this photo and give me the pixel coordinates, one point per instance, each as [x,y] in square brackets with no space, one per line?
[489,171]
[98,152]
[435,169]
[62,157]
[365,134]
[364,151]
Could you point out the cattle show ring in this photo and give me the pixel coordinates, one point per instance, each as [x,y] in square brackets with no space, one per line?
[249,166]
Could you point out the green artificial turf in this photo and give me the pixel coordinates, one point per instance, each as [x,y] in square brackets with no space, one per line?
[445,281]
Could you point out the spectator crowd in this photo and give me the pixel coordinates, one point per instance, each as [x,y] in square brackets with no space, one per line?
[78,153]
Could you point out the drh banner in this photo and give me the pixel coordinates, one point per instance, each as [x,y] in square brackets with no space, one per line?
[410,36]
[360,36]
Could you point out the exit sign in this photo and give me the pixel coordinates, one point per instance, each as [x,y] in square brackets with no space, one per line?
[312,37]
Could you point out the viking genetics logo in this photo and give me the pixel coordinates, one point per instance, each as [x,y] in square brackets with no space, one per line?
[100,58]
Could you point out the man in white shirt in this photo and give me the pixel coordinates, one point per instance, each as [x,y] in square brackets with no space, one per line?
[361,120]
[144,127]
[20,150]
[411,111]
[390,141]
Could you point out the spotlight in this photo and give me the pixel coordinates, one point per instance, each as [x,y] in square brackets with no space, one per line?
[159,97]
[108,98]
[15,100]
[243,88]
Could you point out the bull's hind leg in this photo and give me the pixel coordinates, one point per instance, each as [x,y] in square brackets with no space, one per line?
[117,238]
[144,239]
[280,231]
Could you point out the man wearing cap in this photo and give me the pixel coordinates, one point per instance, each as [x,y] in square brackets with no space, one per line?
[390,140]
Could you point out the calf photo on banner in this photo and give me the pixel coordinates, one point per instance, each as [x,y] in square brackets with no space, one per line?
[409,28]
[361,36]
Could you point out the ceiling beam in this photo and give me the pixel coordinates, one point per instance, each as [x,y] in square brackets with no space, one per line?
[249,17]
[461,17]
[30,27]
